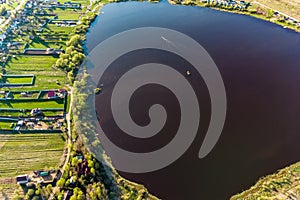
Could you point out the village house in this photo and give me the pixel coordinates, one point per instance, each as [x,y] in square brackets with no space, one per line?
[22,179]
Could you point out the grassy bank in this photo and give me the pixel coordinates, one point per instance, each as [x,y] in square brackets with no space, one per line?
[116,187]
[285,184]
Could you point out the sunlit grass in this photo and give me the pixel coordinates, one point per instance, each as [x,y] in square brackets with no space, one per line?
[22,153]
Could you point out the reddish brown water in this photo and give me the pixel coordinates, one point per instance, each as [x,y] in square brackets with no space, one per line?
[260,66]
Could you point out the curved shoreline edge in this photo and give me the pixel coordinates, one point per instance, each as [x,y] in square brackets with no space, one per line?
[284,184]
[266,185]
[255,10]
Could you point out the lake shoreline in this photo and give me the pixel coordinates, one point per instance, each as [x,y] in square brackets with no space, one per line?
[278,184]
[236,12]
[252,13]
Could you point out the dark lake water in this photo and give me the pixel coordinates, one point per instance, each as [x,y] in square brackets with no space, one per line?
[260,66]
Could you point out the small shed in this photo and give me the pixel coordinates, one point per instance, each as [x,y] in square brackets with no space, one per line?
[22,179]
[43,174]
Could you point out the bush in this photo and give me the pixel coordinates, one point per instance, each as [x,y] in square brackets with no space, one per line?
[61,182]
[38,192]
[30,192]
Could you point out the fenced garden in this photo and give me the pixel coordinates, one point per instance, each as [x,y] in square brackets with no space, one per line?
[17,80]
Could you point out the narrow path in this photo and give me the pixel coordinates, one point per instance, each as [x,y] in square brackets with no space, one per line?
[68,118]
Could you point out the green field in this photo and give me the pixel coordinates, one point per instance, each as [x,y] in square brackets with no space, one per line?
[67,14]
[40,66]
[46,44]
[23,153]
[5,125]
[82,2]
[30,105]
[19,96]
[62,29]
[29,64]
[22,80]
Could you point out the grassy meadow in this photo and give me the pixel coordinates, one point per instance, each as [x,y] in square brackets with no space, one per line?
[22,153]
[30,105]
[41,67]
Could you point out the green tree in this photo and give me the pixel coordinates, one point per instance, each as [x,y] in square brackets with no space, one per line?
[74,40]
[80,195]
[98,192]
[70,49]
[67,183]
[49,188]
[38,192]
[74,161]
[61,63]
[93,171]
[30,192]
[90,163]
[73,197]
[77,58]
[61,182]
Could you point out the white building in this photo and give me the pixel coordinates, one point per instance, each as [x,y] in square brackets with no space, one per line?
[22,179]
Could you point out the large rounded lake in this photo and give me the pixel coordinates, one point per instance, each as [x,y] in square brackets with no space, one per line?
[260,65]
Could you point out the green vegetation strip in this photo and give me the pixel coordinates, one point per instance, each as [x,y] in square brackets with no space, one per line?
[22,80]
[31,105]
[5,126]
